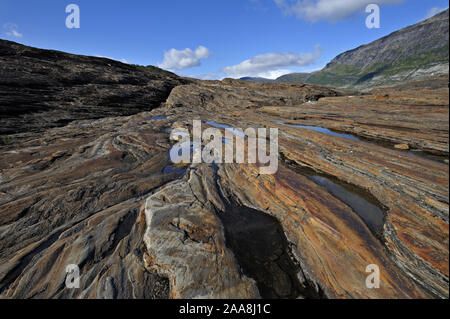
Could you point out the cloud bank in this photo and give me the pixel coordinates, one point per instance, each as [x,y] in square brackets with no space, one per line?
[330,10]
[183,59]
[269,64]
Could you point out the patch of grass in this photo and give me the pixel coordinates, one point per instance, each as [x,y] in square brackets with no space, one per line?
[154,69]
[6,140]
[348,75]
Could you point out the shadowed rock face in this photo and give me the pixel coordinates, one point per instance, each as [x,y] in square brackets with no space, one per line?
[260,246]
[102,194]
[40,89]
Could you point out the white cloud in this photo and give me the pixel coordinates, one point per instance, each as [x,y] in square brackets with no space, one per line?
[433,11]
[330,10]
[12,30]
[269,64]
[273,74]
[183,59]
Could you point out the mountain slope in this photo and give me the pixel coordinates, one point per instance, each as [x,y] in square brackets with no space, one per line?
[294,77]
[256,79]
[412,53]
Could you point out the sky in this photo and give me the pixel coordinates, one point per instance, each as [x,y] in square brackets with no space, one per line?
[210,39]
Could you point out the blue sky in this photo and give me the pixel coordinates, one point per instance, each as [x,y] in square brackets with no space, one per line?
[210,38]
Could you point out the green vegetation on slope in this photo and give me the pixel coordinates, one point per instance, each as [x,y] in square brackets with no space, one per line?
[405,55]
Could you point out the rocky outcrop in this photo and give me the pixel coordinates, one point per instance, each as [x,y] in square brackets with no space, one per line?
[410,187]
[415,115]
[232,94]
[186,241]
[40,89]
[103,195]
[75,196]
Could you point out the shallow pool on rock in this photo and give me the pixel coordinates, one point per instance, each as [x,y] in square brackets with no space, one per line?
[372,215]
[218,125]
[321,130]
[263,252]
[157,118]
[390,145]
[364,204]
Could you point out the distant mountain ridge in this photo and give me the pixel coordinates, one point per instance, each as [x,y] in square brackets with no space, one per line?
[294,77]
[256,79]
[412,53]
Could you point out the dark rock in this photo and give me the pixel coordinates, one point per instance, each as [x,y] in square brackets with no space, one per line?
[40,89]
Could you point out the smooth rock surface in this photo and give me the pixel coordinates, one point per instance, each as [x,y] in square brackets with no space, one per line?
[102,194]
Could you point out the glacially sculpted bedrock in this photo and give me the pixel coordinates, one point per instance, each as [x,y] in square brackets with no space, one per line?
[103,194]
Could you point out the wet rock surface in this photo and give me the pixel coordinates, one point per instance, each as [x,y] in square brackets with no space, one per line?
[186,242]
[261,249]
[102,194]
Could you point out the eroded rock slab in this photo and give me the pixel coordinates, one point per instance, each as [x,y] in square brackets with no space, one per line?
[186,242]
[103,195]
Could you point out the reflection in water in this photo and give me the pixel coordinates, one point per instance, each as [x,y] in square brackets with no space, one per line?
[232,129]
[177,170]
[372,215]
[321,130]
[263,251]
[364,204]
[390,145]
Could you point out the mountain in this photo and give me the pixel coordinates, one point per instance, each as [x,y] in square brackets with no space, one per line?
[294,77]
[412,53]
[256,79]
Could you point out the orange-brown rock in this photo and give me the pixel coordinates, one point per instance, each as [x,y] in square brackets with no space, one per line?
[403,147]
[102,194]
